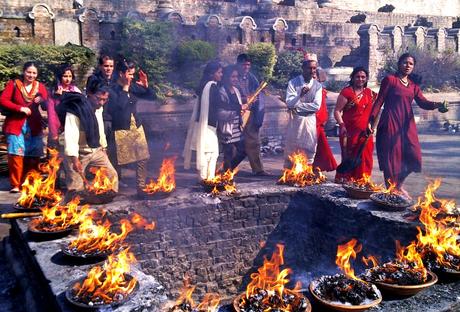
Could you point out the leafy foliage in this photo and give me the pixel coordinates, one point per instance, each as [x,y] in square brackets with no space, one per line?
[263,56]
[48,59]
[190,58]
[150,45]
[432,71]
[288,66]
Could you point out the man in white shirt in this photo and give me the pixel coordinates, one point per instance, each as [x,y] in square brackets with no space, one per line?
[84,137]
[303,98]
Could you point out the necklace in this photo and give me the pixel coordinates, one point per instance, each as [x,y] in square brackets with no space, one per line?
[404,82]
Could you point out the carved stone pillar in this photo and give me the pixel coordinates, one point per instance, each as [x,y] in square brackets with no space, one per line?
[42,17]
[246,29]
[90,28]
[368,34]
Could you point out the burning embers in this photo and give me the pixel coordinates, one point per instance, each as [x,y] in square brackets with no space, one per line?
[301,174]
[38,189]
[222,182]
[345,290]
[101,183]
[391,198]
[362,188]
[185,302]
[95,238]
[166,182]
[105,286]
[267,290]
[59,218]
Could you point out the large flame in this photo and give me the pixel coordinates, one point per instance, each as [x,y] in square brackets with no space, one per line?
[344,253]
[391,189]
[301,173]
[108,283]
[95,236]
[224,180]
[166,182]
[439,235]
[101,183]
[271,278]
[366,182]
[429,200]
[410,255]
[59,217]
[36,187]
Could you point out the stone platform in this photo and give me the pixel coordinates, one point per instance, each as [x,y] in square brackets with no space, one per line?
[219,241]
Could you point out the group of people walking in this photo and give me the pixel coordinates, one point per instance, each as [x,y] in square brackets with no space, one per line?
[102,128]
[97,128]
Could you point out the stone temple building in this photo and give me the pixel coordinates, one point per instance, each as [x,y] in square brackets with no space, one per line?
[341,32]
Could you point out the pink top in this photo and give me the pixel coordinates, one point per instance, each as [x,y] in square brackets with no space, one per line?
[53,120]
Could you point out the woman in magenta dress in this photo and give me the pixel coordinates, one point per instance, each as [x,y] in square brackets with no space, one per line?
[398,148]
[352,112]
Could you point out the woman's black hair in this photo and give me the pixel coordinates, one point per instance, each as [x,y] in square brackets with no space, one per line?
[404,56]
[61,71]
[29,64]
[125,65]
[355,71]
[415,78]
[208,73]
[228,71]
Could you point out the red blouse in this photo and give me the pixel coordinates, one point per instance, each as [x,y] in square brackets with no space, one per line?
[12,99]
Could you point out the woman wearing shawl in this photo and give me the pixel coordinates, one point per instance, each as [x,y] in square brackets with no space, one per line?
[202,133]
[23,124]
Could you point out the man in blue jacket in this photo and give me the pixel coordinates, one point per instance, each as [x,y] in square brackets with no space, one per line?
[248,84]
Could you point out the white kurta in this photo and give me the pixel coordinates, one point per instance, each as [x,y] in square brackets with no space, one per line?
[301,130]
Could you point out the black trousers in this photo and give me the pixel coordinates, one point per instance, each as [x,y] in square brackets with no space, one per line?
[234,153]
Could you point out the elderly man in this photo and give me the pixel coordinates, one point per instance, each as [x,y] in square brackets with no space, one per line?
[303,98]
[84,137]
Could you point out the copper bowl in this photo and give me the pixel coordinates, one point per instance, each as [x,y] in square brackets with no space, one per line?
[237,300]
[70,296]
[407,290]
[33,224]
[341,306]
[392,206]
[357,193]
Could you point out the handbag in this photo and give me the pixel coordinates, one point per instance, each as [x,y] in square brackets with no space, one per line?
[131,145]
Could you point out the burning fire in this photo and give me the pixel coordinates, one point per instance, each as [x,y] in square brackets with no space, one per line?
[108,284]
[391,189]
[272,279]
[96,237]
[301,174]
[36,188]
[439,235]
[166,182]
[101,183]
[185,302]
[365,182]
[344,253]
[222,182]
[56,217]
[410,255]
[429,200]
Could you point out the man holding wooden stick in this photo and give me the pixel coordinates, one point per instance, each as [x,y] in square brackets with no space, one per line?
[248,85]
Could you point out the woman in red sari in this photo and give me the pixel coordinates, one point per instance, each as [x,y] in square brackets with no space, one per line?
[23,123]
[398,148]
[324,159]
[352,112]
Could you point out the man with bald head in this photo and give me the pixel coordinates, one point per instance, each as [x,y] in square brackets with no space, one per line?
[303,98]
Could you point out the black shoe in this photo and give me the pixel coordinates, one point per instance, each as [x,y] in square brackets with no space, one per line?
[262,173]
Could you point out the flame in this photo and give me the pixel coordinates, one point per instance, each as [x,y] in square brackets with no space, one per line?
[96,236]
[438,236]
[210,302]
[369,259]
[59,217]
[301,174]
[166,182]
[36,187]
[391,189]
[109,282]
[101,183]
[271,278]
[224,181]
[430,200]
[409,255]
[366,182]
[344,252]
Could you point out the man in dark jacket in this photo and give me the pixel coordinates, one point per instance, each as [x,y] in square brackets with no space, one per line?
[248,84]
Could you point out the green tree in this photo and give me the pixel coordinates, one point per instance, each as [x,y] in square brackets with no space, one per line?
[263,56]
[289,65]
[48,59]
[150,45]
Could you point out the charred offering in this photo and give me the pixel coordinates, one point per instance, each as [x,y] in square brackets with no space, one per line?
[395,273]
[263,300]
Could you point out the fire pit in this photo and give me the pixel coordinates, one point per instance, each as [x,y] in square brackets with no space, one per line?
[361,188]
[100,190]
[58,219]
[105,287]
[301,174]
[185,302]
[341,293]
[221,183]
[36,204]
[391,201]
[267,291]
[166,182]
